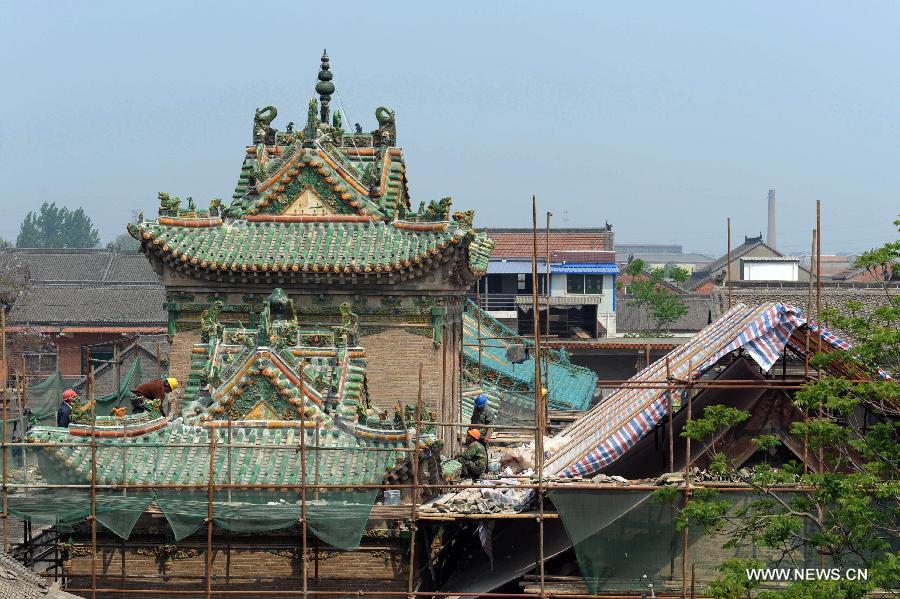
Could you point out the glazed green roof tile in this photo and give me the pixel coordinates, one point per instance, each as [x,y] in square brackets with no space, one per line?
[274,458]
[299,248]
[571,387]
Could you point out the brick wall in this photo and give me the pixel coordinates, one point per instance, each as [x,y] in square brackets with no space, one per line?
[834,295]
[69,349]
[372,568]
[392,368]
[393,357]
[180,354]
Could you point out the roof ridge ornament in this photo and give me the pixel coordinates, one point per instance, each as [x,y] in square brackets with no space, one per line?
[325,87]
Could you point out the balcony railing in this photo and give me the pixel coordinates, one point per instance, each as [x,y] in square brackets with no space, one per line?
[495,302]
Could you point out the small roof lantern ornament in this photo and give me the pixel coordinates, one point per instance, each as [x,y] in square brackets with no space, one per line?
[324,87]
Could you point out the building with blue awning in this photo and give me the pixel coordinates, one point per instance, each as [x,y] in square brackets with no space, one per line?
[576,281]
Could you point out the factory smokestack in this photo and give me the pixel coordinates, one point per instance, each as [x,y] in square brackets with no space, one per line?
[771,238]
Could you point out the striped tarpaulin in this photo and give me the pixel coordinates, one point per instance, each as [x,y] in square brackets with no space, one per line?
[615,425]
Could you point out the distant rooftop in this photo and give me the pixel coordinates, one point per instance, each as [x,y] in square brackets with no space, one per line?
[663,258]
[70,287]
[519,243]
[770,259]
[80,266]
[648,248]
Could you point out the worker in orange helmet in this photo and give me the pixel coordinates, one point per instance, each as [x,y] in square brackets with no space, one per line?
[64,412]
[474,456]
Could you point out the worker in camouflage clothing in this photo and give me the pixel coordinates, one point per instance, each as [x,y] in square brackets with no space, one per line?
[482,414]
[474,456]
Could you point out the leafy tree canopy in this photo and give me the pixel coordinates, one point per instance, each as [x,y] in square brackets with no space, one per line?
[124,243]
[665,307]
[55,227]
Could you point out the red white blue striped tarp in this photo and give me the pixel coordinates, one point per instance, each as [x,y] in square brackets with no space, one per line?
[615,425]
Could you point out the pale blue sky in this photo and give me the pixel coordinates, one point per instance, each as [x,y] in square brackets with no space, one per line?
[663,118]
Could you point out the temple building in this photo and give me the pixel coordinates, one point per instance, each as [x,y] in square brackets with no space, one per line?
[325,214]
[298,316]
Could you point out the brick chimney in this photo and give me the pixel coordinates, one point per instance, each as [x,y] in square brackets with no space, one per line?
[771,237]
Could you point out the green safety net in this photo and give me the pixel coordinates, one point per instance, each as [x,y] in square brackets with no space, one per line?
[44,398]
[336,516]
[339,517]
[132,378]
[620,537]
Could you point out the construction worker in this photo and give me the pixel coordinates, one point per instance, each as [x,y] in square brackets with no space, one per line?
[153,390]
[482,414]
[474,456]
[64,412]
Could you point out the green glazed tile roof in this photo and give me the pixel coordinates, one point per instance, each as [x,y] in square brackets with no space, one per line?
[571,387]
[343,248]
[274,458]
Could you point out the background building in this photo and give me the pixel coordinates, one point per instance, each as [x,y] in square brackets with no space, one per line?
[78,302]
[582,281]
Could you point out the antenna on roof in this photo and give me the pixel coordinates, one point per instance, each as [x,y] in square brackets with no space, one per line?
[324,87]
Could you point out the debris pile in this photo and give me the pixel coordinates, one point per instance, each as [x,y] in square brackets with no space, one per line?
[488,500]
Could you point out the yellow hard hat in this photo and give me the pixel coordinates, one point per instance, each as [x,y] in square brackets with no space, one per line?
[173,382]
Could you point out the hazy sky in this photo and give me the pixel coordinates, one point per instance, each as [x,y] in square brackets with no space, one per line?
[663,118]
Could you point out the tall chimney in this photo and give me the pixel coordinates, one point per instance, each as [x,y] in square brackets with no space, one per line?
[771,238]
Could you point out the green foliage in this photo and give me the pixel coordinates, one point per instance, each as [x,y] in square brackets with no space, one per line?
[665,307]
[671,272]
[679,274]
[766,442]
[715,419]
[819,589]
[733,582]
[635,267]
[54,227]
[124,243]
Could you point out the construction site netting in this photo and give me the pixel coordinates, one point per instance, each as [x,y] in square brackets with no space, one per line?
[337,516]
[43,399]
[621,537]
[132,378]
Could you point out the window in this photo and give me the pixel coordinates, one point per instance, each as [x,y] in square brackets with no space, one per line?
[520,282]
[98,354]
[575,284]
[593,284]
[584,284]
[40,361]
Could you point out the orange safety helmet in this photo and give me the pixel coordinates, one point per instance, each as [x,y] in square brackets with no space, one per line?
[475,434]
[69,394]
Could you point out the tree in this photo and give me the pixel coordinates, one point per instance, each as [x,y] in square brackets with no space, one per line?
[124,243]
[664,307]
[14,277]
[54,227]
[849,512]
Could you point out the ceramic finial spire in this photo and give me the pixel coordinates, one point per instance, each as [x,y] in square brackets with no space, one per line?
[324,87]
